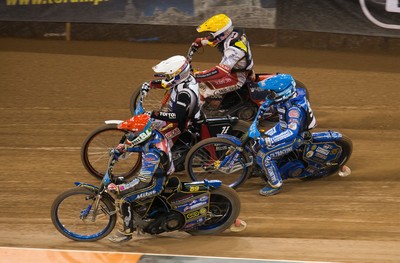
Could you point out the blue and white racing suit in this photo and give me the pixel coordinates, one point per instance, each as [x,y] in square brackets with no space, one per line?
[157,165]
[295,117]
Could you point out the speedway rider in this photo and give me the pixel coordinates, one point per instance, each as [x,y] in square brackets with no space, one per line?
[183,104]
[236,64]
[157,165]
[295,120]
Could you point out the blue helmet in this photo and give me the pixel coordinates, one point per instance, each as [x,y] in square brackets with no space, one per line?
[280,87]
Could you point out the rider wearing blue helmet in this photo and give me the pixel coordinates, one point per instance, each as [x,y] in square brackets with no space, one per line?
[295,120]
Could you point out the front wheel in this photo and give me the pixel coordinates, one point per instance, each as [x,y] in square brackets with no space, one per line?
[204,162]
[95,153]
[224,210]
[73,215]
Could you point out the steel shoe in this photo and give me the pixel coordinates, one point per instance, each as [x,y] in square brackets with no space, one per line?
[120,237]
[268,190]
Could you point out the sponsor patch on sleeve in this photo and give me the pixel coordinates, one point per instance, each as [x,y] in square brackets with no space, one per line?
[294,113]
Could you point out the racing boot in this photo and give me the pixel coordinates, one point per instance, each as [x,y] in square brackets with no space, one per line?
[273,177]
[125,223]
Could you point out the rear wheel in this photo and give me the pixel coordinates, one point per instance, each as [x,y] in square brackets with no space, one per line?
[95,153]
[153,100]
[301,85]
[347,149]
[204,159]
[224,210]
[240,128]
[346,146]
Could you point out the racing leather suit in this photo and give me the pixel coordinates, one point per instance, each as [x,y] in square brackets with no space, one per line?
[232,71]
[157,165]
[183,105]
[295,117]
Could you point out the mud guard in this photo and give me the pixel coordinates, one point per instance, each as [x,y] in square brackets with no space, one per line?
[328,136]
[87,186]
[108,122]
[202,185]
[231,138]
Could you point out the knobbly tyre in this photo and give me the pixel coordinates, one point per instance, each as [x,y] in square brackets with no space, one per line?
[242,103]
[95,148]
[232,160]
[89,213]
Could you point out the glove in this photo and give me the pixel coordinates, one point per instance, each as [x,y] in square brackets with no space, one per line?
[145,89]
[120,149]
[199,42]
[264,107]
[113,188]
[265,142]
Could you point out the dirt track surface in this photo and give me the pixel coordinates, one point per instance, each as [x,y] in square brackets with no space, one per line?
[53,93]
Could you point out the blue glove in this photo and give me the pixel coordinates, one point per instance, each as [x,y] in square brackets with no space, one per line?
[265,107]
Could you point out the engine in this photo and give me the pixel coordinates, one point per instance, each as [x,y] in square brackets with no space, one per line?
[165,223]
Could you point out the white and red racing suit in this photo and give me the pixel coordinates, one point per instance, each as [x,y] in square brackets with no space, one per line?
[231,73]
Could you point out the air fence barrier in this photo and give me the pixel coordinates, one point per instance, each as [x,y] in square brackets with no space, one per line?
[370,25]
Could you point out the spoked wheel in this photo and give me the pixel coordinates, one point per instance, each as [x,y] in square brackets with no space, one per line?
[224,209]
[153,100]
[95,153]
[204,159]
[73,215]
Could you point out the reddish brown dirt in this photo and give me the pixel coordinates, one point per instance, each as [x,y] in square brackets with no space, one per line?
[53,93]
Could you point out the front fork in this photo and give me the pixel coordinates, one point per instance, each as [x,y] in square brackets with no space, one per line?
[227,165]
[94,206]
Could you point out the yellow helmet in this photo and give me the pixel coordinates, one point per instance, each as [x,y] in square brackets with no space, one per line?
[219,26]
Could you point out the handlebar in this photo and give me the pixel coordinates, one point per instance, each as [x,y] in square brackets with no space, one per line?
[190,53]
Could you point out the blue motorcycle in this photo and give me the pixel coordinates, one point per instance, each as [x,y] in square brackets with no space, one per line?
[89,213]
[232,160]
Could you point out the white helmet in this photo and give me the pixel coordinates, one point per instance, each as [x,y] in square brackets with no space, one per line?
[176,69]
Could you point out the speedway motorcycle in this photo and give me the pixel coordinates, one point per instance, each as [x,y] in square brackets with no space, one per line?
[89,213]
[242,103]
[233,160]
[96,146]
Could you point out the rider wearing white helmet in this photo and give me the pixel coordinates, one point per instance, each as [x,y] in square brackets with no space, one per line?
[236,64]
[183,103]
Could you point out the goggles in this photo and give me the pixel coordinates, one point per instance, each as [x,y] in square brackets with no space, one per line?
[175,78]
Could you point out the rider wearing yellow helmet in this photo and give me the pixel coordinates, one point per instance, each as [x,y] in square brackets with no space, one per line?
[236,64]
